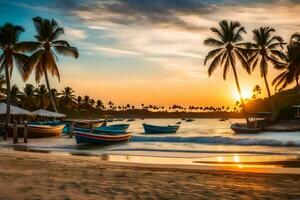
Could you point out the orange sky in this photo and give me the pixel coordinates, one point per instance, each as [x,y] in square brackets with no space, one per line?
[150,52]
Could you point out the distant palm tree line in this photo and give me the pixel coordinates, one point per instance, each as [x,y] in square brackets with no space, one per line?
[32,98]
[266,50]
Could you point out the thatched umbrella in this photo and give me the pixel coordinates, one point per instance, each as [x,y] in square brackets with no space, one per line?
[46,113]
[14,110]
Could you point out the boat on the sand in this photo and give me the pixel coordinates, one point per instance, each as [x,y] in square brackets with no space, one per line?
[37,131]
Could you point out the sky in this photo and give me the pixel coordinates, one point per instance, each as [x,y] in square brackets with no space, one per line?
[150,51]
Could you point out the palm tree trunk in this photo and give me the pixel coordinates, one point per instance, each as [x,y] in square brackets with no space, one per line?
[269,93]
[241,98]
[7,77]
[50,92]
[297,86]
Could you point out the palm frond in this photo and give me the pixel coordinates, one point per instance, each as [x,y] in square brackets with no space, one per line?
[243,61]
[214,64]
[61,43]
[212,54]
[27,46]
[67,51]
[20,60]
[213,42]
[32,63]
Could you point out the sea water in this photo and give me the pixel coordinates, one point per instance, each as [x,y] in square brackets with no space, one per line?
[208,139]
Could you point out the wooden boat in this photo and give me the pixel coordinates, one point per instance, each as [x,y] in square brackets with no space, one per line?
[154,129]
[111,129]
[244,128]
[38,131]
[130,120]
[115,128]
[86,124]
[91,138]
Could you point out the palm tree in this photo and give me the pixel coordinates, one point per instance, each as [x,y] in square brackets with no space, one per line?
[43,96]
[227,51]
[100,105]
[15,95]
[256,91]
[28,98]
[43,60]
[86,102]
[9,36]
[291,71]
[263,52]
[67,98]
[79,101]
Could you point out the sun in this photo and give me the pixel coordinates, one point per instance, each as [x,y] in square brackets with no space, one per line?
[246,94]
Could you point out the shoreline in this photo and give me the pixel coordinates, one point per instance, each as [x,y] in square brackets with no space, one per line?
[280,164]
[51,176]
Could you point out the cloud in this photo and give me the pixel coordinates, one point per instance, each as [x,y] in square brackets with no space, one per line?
[74,34]
[170,33]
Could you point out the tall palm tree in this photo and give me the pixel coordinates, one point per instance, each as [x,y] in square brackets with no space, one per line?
[9,36]
[28,98]
[263,52]
[43,60]
[43,96]
[291,71]
[227,51]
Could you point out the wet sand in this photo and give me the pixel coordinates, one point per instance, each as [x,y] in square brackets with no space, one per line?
[27,175]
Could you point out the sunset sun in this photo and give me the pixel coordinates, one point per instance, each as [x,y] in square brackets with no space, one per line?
[246,94]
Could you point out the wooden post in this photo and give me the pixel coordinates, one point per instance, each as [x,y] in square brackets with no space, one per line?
[71,129]
[25,131]
[15,132]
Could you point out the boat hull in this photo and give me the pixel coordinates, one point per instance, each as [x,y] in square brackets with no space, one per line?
[111,129]
[38,131]
[154,129]
[237,128]
[90,138]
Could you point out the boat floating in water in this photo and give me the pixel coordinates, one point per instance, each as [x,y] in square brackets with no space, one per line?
[91,138]
[155,129]
[245,128]
[111,129]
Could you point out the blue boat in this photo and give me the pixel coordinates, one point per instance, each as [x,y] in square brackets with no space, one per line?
[91,138]
[111,129]
[154,129]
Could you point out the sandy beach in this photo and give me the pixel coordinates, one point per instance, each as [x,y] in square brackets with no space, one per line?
[27,175]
